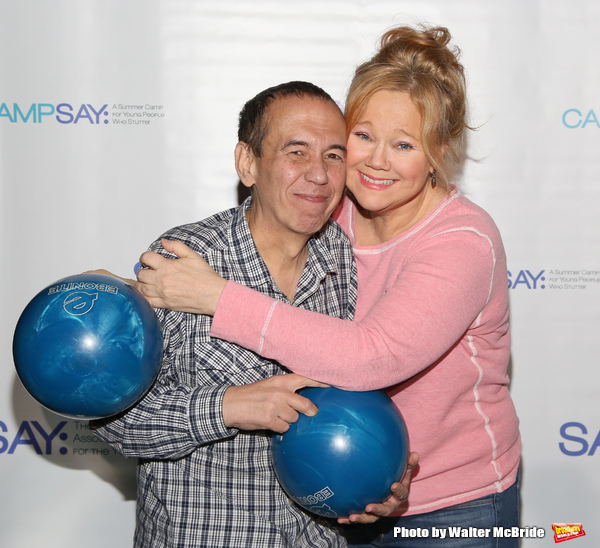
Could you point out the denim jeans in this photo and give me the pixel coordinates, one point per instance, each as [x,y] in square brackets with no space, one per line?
[427,530]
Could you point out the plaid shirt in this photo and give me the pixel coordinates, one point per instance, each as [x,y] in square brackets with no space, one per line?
[199,482]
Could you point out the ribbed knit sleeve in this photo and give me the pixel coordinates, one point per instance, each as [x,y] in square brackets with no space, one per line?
[443,288]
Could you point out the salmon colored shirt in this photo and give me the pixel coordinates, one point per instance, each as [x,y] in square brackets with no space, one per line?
[431,327]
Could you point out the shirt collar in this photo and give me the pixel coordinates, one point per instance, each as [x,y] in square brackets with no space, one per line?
[320,261]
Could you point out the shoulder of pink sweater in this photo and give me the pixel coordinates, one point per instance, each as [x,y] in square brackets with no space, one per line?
[456,213]
[461,207]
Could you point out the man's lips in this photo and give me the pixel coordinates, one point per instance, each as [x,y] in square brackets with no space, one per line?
[313,198]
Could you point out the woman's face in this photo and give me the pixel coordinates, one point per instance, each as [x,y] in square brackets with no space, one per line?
[387,167]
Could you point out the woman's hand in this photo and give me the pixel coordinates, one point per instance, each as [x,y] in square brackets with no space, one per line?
[399,494]
[185,284]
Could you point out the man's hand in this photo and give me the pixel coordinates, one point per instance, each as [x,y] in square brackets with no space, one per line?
[187,284]
[270,404]
[399,494]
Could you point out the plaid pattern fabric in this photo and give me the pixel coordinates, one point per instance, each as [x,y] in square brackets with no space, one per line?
[200,483]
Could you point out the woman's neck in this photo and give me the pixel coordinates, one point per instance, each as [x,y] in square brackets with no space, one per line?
[378,227]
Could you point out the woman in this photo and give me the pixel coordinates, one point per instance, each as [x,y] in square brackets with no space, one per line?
[432,314]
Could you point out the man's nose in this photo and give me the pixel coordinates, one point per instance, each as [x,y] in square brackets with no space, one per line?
[316,172]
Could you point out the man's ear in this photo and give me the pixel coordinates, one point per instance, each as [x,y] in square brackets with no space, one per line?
[244,164]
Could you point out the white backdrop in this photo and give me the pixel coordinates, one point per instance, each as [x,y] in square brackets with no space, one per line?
[118,120]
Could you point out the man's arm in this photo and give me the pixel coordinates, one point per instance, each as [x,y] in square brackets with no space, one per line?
[178,415]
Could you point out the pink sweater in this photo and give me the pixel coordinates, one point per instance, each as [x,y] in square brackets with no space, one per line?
[431,326]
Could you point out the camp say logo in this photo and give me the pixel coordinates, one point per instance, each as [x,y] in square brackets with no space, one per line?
[577,440]
[555,278]
[34,435]
[574,118]
[71,438]
[63,113]
[82,114]
[526,279]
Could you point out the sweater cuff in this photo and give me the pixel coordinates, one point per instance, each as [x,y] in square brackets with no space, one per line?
[242,316]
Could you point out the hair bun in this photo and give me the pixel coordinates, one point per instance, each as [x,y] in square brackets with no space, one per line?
[426,36]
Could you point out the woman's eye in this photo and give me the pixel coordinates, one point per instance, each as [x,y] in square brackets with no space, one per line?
[361,135]
[404,146]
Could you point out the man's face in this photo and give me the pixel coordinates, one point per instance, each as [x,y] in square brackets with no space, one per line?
[300,177]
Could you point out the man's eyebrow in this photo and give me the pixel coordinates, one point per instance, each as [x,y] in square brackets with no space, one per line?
[301,143]
[295,143]
[338,147]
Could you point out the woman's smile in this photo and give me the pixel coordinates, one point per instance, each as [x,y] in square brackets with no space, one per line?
[375,182]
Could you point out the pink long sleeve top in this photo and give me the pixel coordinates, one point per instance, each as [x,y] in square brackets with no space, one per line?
[431,327]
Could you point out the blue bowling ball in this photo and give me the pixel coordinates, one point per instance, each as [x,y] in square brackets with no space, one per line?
[88,346]
[346,456]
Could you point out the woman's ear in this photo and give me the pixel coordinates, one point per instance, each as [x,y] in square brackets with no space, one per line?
[244,164]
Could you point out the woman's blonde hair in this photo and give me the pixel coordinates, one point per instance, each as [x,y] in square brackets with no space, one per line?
[421,63]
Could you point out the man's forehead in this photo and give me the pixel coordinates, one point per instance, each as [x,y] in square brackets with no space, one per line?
[306,118]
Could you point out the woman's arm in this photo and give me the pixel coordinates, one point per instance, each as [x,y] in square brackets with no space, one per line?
[440,292]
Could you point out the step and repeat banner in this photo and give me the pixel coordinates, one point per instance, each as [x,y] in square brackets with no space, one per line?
[118,120]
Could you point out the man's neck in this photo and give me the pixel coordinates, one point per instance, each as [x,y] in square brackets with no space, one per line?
[284,254]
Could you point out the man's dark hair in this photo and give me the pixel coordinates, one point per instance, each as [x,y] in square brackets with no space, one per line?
[254,122]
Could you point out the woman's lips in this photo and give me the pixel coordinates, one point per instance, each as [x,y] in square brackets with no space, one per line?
[375,182]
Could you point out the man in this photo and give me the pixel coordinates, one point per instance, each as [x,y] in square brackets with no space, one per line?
[202,432]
